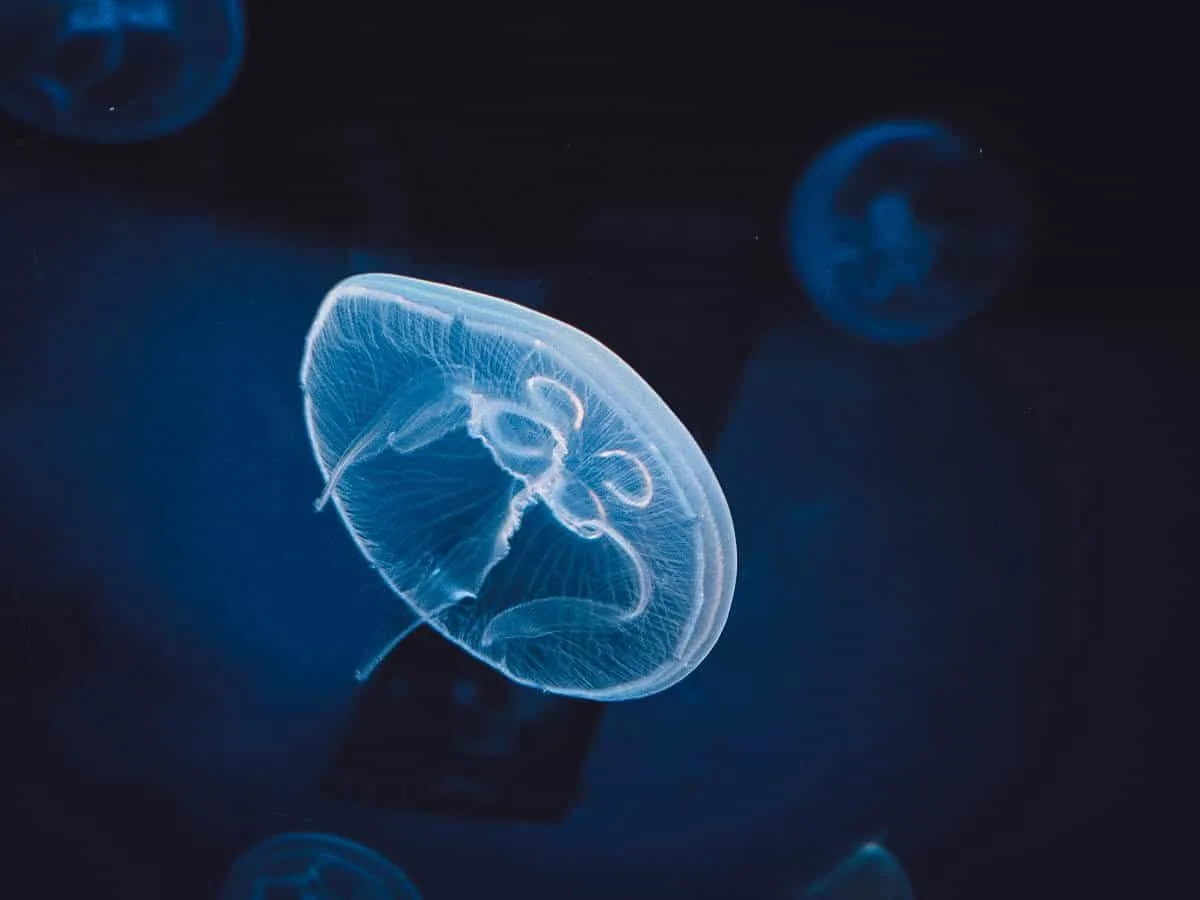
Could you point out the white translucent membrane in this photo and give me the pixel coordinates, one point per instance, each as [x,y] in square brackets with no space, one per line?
[310,866]
[870,873]
[519,486]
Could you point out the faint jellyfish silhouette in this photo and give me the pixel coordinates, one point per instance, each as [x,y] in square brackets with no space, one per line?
[305,866]
[117,70]
[519,486]
[870,873]
[901,230]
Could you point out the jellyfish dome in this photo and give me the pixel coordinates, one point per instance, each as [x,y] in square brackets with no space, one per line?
[902,230]
[522,489]
[315,867]
[870,873]
[113,71]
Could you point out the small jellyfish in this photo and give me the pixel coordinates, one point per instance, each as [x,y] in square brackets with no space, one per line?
[113,71]
[870,873]
[520,487]
[302,866]
[901,230]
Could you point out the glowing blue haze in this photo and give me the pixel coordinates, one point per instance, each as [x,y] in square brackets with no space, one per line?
[870,873]
[304,866]
[901,230]
[117,70]
[519,486]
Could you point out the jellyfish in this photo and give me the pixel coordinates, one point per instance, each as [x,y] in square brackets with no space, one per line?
[303,866]
[902,230]
[113,71]
[870,873]
[519,486]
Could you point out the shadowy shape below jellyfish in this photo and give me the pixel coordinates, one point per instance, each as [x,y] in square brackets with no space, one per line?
[870,873]
[438,731]
[522,489]
[112,71]
[901,230]
[307,866]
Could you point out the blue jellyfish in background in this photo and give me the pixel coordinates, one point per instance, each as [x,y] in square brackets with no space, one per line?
[522,489]
[303,866]
[117,70]
[901,230]
[870,873]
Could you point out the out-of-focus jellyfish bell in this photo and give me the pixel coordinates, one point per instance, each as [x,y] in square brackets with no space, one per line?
[117,70]
[870,873]
[314,867]
[519,485]
[901,230]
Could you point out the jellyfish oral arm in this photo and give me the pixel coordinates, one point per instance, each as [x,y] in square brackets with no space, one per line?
[553,615]
[443,587]
[439,410]
[534,447]
[407,621]
[550,615]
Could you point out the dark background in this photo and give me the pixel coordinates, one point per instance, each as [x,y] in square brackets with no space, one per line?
[959,624]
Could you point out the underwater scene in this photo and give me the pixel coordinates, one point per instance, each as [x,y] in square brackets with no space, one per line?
[508,457]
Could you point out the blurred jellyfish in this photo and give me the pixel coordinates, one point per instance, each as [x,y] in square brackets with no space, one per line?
[901,230]
[117,70]
[314,867]
[870,873]
[519,486]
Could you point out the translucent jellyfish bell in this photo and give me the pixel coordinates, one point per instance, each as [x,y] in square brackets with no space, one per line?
[117,70]
[519,485]
[870,873]
[314,867]
[901,230]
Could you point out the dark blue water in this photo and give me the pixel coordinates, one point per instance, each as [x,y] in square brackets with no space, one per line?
[899,663]
[962,564]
